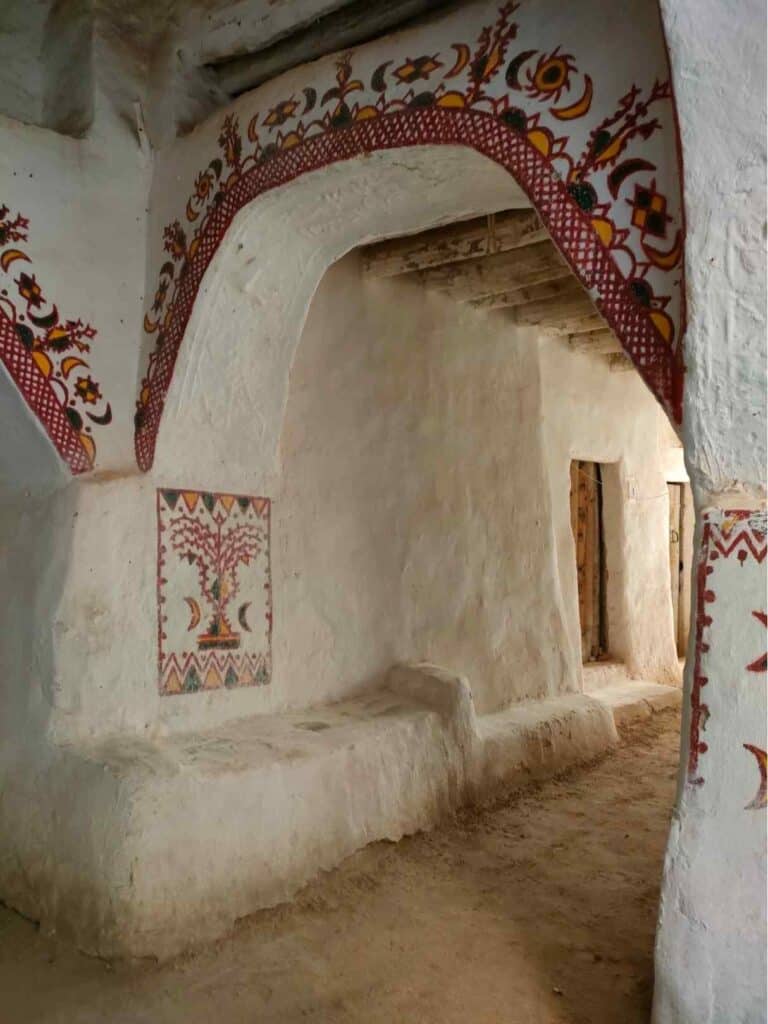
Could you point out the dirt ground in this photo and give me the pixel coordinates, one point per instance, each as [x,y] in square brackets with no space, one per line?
[539,911]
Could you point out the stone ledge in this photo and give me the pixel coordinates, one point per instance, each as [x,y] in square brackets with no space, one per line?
[635,700]
[163,845]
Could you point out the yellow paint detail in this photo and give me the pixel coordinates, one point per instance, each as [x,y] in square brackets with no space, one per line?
[227,500]
[68,364]
[463,54]
[451,100]
[194,609]
[89,446]
[540,80]
[663,324]
[10,256]
[290,140]
[190,499]
[493,62]
[579,108]
[611,151]
[665,260]
[212,678]
[44,364]
[540,140]
[604,230]
[172,682]
[366,113]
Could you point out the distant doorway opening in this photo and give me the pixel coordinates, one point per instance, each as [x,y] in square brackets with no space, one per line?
[587,523]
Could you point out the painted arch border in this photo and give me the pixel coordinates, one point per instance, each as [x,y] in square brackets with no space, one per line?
[568,225]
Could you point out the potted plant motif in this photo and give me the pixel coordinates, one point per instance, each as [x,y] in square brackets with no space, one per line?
[218,552]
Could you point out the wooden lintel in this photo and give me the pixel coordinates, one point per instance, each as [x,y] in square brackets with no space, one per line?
[454,243]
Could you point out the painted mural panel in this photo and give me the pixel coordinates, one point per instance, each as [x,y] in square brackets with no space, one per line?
[45,353]
[728,700]
[214,591]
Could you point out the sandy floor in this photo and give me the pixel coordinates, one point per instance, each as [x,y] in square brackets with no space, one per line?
[540,911]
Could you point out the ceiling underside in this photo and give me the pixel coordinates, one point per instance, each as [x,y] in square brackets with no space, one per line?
[504,262]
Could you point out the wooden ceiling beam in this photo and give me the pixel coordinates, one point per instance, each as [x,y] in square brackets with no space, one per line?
[602,342]
[581,325]
[552,289]
[553,311]
[488,275]
[454,243]
[619,362]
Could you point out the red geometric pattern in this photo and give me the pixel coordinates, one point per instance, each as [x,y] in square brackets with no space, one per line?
[740,534]
[569,226]
[40,396]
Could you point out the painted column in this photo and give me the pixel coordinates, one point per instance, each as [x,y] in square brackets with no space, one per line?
[710,955]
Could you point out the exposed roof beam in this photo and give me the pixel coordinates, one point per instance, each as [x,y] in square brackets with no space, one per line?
[551,312]
[356,23]
[454,243]
[582,325]
[619,362]
[597,342]
[489,275]
[564,285]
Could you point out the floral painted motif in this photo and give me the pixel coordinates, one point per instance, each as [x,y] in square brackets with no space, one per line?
[214,591]
[732,561]
[45,354]
[604,185]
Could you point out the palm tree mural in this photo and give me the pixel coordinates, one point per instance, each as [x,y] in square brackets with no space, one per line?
[218,550]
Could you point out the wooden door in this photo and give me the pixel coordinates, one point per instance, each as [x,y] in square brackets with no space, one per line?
[675,561]
[587,526]
[680,553]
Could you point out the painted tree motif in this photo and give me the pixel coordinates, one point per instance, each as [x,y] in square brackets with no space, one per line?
[218,552]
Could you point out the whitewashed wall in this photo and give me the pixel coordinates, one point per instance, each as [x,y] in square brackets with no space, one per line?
[711,951]
[590,412]
[79,654]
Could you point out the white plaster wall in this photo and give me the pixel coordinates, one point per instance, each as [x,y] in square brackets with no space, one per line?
[590,412]
[99,674]
[229,386]
[717,50]
[710,954]
[412,519]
